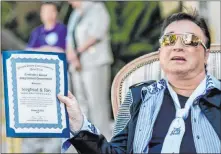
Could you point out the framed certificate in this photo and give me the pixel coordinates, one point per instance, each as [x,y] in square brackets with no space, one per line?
[32,81]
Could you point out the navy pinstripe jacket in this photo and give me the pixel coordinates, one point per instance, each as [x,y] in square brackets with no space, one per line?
[86,142]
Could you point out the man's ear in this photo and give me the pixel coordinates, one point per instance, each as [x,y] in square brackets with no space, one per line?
[159,51]
[206,55]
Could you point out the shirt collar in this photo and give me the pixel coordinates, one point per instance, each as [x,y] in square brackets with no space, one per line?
[213,94]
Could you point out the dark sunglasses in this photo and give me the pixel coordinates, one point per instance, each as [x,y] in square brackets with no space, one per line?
[187,39]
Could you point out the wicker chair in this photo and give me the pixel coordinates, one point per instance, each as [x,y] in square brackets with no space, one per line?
[146,68]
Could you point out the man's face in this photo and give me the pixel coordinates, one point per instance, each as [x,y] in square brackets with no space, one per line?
[179,58]
[75,4]
[48,13]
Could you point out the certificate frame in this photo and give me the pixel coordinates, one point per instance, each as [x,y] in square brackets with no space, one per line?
[58,129]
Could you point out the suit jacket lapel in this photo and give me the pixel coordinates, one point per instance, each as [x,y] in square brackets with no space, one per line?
[148,111]
[210,105]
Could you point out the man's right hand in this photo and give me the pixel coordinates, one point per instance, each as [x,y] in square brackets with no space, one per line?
[74,60]
[76,118]
[77,64]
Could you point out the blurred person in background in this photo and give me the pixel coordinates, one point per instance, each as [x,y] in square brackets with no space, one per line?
[50,36]
[90,57]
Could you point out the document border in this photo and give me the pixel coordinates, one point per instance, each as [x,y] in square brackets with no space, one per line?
[10,132]
[14,83]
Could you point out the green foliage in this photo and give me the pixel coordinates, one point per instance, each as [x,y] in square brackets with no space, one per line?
[6,12]
[135,29]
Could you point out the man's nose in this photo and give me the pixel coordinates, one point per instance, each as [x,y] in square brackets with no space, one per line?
[178,46]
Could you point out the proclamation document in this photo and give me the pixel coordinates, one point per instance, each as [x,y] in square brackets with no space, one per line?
[32,81]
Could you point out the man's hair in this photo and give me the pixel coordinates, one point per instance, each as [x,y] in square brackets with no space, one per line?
[50,3]
[194,17]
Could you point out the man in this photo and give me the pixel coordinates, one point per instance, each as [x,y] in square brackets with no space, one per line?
[51,35]
[178,114]
[90,58]
[47,37]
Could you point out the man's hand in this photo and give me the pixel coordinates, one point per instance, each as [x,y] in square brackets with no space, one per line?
[74,112]
[73,60]
[77,64]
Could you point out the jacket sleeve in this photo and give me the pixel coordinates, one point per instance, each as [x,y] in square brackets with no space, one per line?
[88,142]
